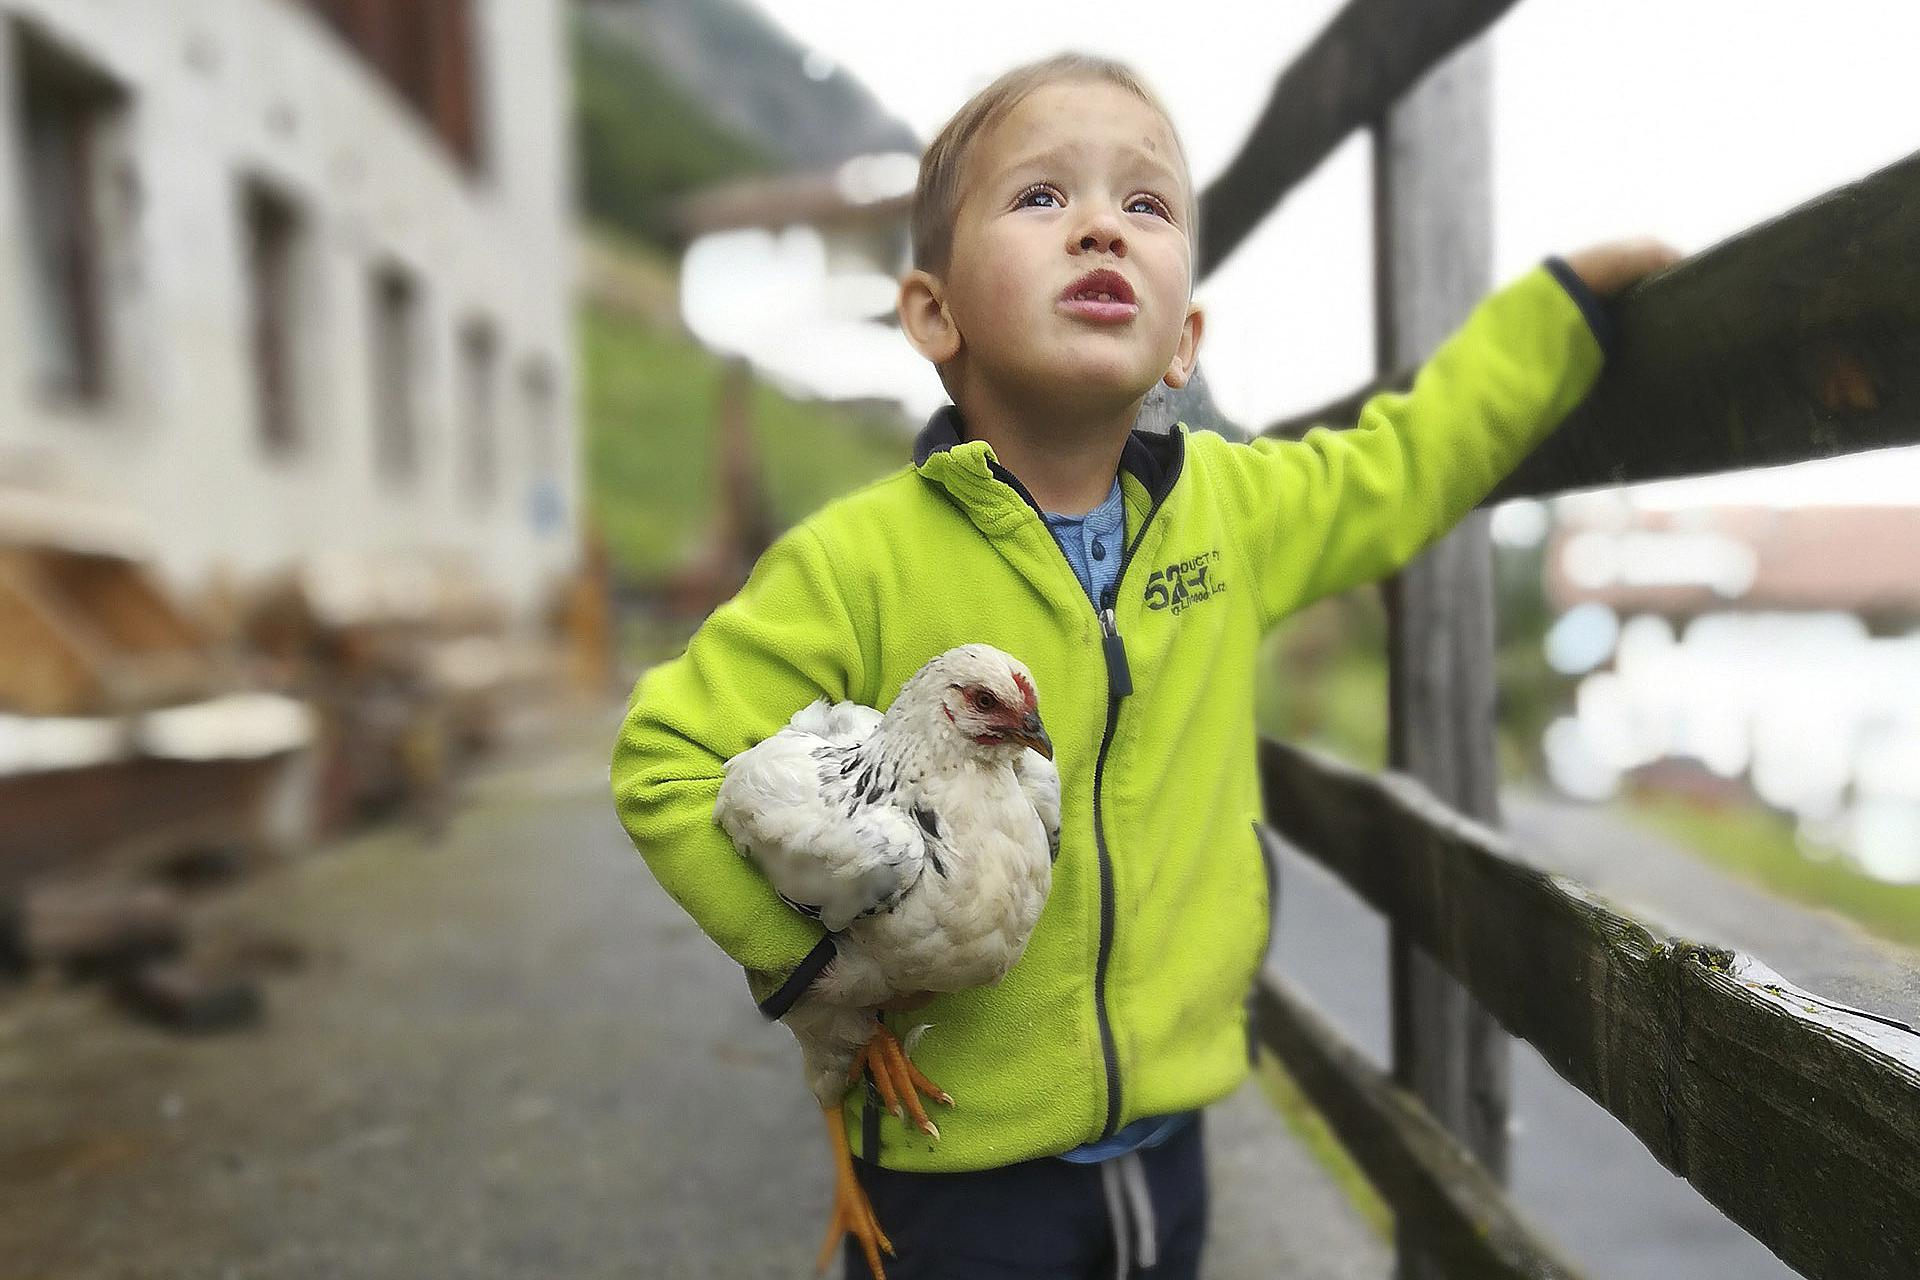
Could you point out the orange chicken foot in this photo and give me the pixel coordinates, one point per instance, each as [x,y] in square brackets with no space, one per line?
[852,1211]
[898,1080]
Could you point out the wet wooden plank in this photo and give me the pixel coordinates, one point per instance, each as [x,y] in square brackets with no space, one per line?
[1797,1117]
[1439,1193]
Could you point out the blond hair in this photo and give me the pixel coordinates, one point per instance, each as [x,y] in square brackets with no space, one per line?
[936,196]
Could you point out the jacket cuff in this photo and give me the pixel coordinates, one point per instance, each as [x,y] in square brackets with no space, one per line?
[775,1006]
[1591,307]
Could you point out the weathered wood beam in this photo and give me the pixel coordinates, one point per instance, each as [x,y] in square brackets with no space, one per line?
[1436,1188]
[1433,259]
[1796,339]
[1798,1118]
[1356,68]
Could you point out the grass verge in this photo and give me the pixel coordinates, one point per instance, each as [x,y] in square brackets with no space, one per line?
[1763,848]
[1320,1142]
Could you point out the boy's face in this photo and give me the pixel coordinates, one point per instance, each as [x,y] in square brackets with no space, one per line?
[1079,177]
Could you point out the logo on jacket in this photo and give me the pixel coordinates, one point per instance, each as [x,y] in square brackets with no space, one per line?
[1185,583]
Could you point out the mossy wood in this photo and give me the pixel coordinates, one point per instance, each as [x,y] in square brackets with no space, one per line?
[1798,1118]
[1796,339]
[1360,65]
[1437,1190]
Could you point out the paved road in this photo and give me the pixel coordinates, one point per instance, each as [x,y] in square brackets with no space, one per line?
[508,1055]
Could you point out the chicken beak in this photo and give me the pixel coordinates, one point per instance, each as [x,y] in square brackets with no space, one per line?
[1034,734]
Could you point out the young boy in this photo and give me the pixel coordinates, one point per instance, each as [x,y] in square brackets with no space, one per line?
[1134,575]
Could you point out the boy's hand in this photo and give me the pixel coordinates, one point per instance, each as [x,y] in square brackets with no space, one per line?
[1608,268]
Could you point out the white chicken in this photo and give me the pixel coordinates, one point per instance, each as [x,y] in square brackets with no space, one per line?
[923,840]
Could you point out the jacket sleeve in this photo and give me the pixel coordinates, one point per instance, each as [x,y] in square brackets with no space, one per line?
[1337,508]
[785,640]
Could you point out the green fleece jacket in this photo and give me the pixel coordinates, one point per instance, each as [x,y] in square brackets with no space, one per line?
[1130,999]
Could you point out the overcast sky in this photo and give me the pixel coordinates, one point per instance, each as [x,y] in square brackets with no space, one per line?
[1689,120]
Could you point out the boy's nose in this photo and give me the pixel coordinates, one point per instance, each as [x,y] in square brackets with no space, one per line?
[1102,235]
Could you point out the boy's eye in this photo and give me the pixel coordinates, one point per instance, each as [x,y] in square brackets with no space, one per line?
[1027,198]
[1149,204]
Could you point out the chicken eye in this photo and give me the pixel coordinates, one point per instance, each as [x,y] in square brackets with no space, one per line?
[984,700]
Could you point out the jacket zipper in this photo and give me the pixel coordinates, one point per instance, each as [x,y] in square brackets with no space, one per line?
[1119,685]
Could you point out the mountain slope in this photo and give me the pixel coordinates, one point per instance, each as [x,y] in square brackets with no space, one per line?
[642,142]
[750,77]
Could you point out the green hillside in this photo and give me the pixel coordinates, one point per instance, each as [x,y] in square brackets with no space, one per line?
[642,144]
[647,412]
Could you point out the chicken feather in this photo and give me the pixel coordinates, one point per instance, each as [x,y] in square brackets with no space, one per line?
[922,838]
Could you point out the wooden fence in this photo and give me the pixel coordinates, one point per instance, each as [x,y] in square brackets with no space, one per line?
[1800,338]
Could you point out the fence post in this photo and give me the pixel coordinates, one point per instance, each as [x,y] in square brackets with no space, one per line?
[1432,255]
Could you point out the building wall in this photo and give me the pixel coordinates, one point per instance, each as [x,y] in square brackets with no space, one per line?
[218,93]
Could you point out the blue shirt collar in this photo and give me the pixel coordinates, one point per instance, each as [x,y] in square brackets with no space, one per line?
[1109,510]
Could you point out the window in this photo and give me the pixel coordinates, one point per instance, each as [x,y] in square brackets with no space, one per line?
[537,400]
[394,365]
[539,406]
[426,50]
[275,240]
[479,410]
[66,108]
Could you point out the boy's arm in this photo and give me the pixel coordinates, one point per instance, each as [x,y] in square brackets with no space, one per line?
[785,640]
[1341,507]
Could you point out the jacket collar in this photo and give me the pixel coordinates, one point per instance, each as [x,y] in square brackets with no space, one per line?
[1154,460]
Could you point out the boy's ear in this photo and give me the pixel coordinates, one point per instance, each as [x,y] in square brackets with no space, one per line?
[1187,354]
[924,318]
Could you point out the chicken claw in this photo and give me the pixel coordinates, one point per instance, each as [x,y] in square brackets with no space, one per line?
[900,1082]
[852,1211]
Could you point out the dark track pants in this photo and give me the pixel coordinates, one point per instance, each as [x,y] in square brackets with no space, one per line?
[1044,1219]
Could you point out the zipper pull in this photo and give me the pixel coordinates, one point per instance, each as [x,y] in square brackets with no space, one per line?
[1119,676]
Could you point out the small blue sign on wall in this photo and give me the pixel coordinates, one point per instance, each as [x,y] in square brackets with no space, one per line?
[546,507]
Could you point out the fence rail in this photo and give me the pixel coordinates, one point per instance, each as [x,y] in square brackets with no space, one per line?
[1796,339]
[1798,1118]
[1363,62]
[1433,1183]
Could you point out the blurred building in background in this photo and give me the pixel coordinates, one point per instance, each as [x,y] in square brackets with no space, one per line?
[1681,564]
[1746,652]
[287,278]
[289,508]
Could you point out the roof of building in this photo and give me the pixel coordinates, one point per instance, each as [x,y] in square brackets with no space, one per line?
[1858,559]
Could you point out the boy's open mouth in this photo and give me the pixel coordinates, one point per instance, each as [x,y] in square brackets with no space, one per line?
[1102,296]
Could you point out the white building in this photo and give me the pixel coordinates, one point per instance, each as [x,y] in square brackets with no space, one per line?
[288,276]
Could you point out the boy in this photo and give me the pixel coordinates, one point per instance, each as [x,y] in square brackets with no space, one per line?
[1052,233]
